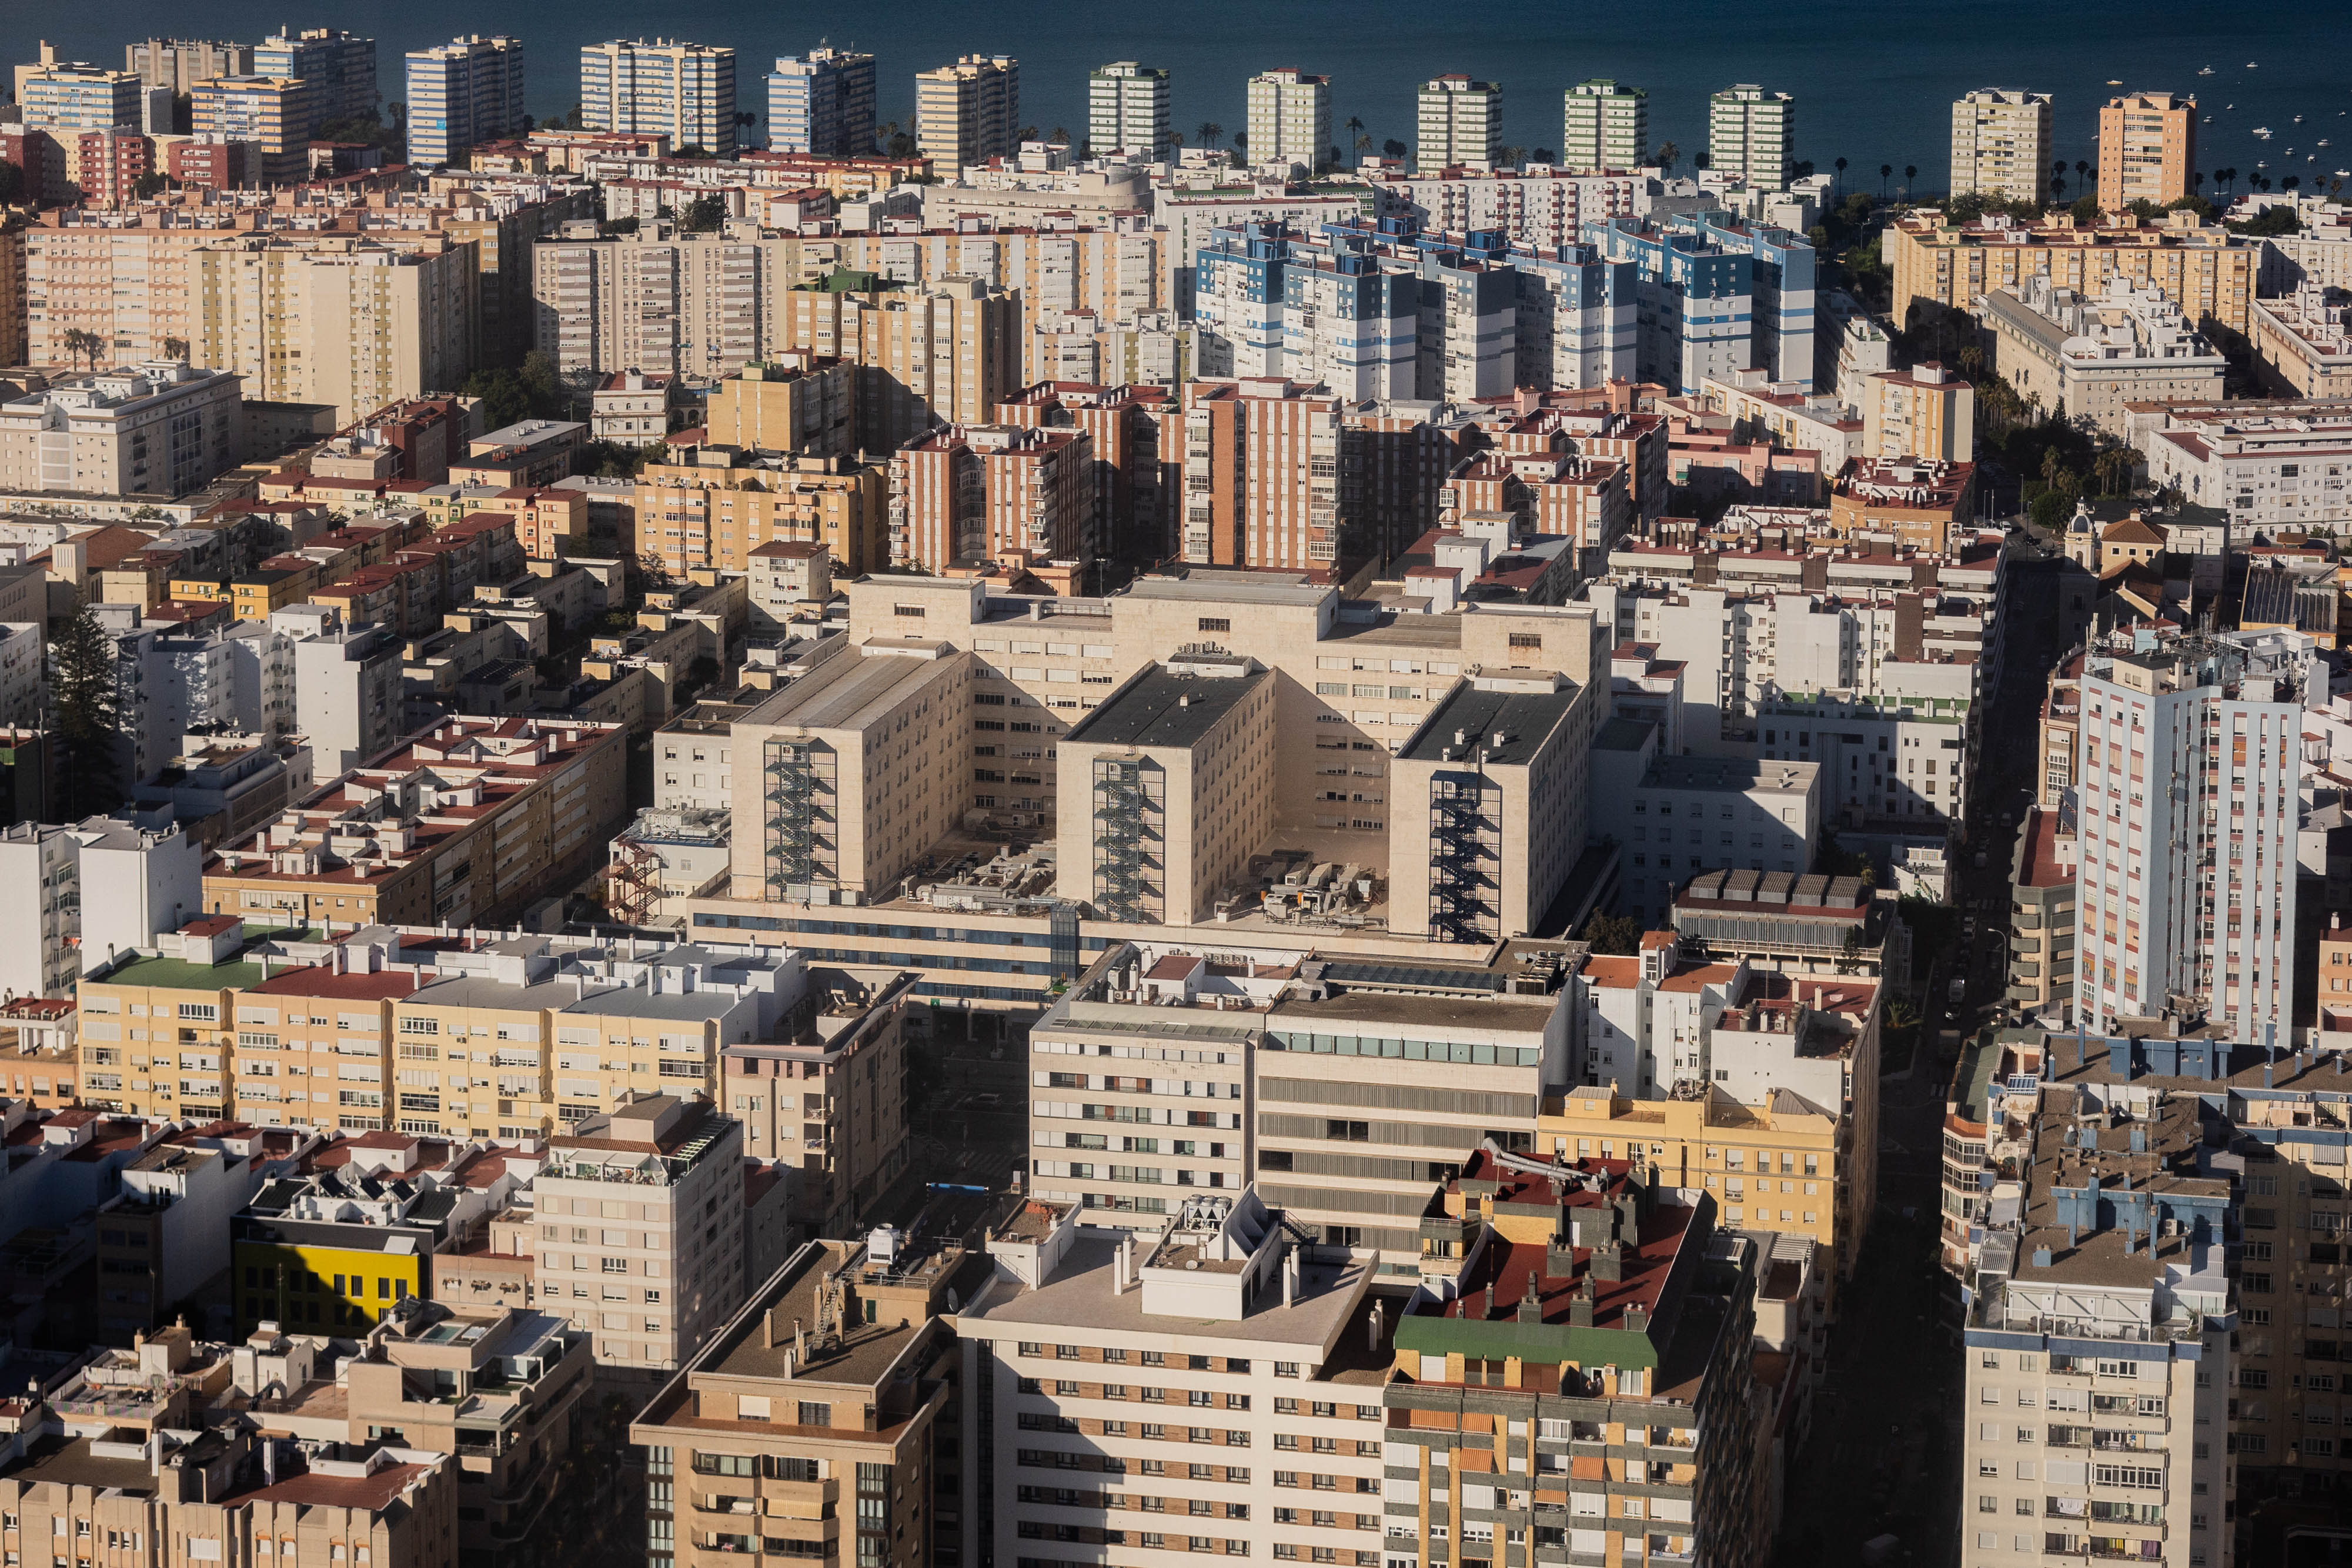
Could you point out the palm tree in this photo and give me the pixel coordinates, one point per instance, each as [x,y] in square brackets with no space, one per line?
[1059,134]
[2082,171]
[176,349]
[84,345]
[1667,154]
[1841,178]
[2057,187]
[1910,173]
[1363,142]
[1886,172]
[1210,133]
[1355,128]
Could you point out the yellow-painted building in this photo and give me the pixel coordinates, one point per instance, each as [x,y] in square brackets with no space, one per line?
[156,1030]
[314,1047]
[262,592]
[316,1276]
[1772,1166]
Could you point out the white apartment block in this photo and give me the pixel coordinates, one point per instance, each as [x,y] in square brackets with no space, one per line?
[1605,125]
[1290,120]
[1577,319]
[1751,136]
[2188,763]
[1126,110]
[88,890]
[239,676]
[460,93]
[1538,209]
[347,686]
[639,1236]
[23,674]
[1215,1385]
[1672,817]
[1785,415]
[2270,465]
[2000,143]
[682,90]
[160,428]
[1460,124]
[822,104]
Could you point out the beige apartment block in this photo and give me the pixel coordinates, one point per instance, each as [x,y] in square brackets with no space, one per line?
[1178,767]
[2094,356]
[344,320]
[809,1427]
[946,355]
[191,1498]
[314,1045]
[2001,142]
[2148,148]
[1215,1385]
[641,1230]
[2202,267]
[495,1389]
[1260,467]
[1926,412]
[2303,343]
[797,403]
[1290,119]
[157,1025]
[161,428]
[1487,806]
[718,506]
[968,112]
[860,766]
[828,1104]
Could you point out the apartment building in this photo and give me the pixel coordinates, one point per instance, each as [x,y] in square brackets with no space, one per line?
[725,505]
[181,63]
[375,325]
[1460,124]
[2000,143]
[968,112]
[161,428]
[2093,356]
[682,90]
[1730,1149]
[60,96]
[2303,343]
[968,493]
[2202,267]
[341,65]
[175,1487]
[2165,909]
[640,1231]
[1240,1334]
[87,890]
[797,403]
[275,115]
[812,1423]
[1751,136]
[1126,110]
[1261,476]
[1322,312]
[463,821]
[1696,303]
[2102,1309]
[1290,119]
[2042,917]
[822,104]
[1578,322]
[829,1103]
[1595,1289]
[2269,464]
[1537,208]
[2148,148]
[461,93]
[1923,413]
[1604,125]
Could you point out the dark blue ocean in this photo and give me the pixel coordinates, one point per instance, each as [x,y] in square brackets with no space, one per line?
[1873,80]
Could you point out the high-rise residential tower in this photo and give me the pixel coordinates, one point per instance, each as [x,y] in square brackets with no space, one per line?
[1460,123]
[968,112]
[1751,135]
[340,65]
[2189,758]
[684,90]
[1605,126]
[462,92]
[1126,110]
[2148,148]
[822,104]
[2001,140]
[1290,117]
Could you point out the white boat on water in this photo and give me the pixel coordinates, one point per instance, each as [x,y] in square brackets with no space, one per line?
[2206,72]
[2264,132]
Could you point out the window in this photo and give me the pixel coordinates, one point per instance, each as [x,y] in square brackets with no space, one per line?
[1216,623]
[814,1414]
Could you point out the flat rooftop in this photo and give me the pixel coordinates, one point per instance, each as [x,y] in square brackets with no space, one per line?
[1522,719]
[1163,707]
[849,692]
[1080,1293]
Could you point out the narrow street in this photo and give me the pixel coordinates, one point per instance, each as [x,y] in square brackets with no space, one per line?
[1883,1453]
